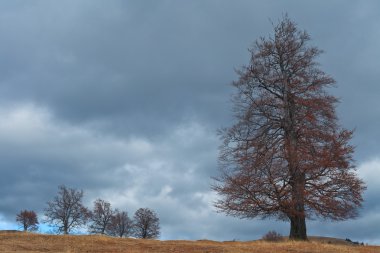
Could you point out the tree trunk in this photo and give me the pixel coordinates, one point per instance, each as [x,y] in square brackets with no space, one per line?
[297,228]
[297,180]
[297,216]
[65,229]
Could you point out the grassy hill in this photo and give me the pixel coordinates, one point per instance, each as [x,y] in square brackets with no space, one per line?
[27,242]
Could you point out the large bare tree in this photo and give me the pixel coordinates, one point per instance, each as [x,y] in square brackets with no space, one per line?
[28,220]
[100,216]
[286,156]
[146,224]
[66,210]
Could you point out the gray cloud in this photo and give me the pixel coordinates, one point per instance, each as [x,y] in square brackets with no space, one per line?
[123,99]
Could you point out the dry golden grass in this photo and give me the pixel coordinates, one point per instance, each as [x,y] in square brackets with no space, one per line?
[26,242]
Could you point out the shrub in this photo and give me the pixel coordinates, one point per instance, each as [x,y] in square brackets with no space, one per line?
[272,236]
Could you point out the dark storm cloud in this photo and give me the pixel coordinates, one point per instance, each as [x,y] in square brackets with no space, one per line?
[120,60]
[123,99]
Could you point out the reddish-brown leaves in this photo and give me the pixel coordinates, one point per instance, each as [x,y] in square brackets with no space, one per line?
[28,220]
[286,156]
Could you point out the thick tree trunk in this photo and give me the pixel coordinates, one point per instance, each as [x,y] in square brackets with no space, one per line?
[298,228]
[297,216]
[297,176]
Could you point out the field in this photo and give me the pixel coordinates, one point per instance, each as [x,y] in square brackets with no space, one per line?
[26,242]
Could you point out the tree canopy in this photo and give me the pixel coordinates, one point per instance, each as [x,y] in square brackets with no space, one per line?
[286,156]
[146,224]
[66,210]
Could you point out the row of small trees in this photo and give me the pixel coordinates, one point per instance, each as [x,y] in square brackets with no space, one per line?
[66,212]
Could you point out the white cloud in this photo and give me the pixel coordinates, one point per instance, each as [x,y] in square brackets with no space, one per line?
[370,172]
[165,174]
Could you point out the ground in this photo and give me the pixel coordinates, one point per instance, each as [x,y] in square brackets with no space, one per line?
[33,243]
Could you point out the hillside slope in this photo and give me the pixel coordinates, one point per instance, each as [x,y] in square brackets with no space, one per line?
[26,242]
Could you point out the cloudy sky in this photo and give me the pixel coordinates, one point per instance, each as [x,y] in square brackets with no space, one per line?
[123,99]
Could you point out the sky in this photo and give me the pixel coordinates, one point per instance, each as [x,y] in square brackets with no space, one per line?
[123,99]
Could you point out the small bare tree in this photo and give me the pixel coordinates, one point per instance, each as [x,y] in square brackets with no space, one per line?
[120,225]
[28,220]
[100,216]
[66,211]
[146,224]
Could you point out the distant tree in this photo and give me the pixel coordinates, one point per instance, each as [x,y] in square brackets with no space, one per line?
[286,156]
[146,224]
[100,216]
[66,210]
[120,225]
[28,220]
